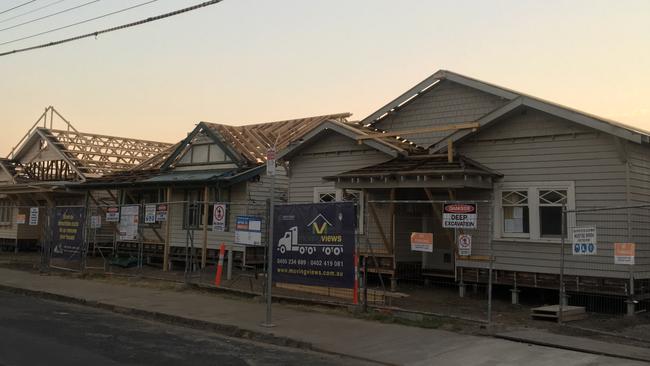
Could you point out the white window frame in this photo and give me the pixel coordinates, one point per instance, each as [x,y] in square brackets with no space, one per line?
[338,194]
[533,189]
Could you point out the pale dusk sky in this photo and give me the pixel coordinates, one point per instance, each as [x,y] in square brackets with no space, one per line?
[246,61]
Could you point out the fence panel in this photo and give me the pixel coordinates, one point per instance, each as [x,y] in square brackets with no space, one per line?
[605,264]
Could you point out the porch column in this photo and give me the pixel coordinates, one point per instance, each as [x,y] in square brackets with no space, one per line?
[168,225]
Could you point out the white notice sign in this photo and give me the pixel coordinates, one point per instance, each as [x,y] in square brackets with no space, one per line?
[464,245]
[95,222]
[150,214]
[584,241]
[219,217]
[33,216]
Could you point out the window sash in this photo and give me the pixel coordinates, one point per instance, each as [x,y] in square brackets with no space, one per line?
[535,190]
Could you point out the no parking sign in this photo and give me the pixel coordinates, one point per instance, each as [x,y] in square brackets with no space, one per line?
[219,217]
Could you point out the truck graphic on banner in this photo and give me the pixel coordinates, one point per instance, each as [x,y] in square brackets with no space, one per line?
[289,242]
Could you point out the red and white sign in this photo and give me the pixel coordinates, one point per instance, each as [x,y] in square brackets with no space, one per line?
[459,216]
[464,245]
[624,253]
[422,242]
[113,214]
[161,212]
[219,217]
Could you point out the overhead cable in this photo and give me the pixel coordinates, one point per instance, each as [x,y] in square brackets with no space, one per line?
[50,15]
[32,11]
[17,6]
[79,23]
[120,27]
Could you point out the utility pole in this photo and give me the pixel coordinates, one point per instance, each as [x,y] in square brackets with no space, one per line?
[270,171]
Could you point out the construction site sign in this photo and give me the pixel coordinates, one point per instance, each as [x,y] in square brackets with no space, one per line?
[150,214]
[458,215]
[422,242]
[464,245]
[584,241]
[129,220]
[314,244]
[21,218]
[219,217]
[161,212]
[113,214]
[248,230]
[33,216]
[270,161]
[624,253]
[67,233]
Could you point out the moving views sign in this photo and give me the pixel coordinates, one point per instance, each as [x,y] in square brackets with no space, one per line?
[457,215]
[314,244]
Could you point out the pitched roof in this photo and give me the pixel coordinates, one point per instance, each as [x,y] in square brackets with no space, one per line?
[253,141]
[86,154]
[516,99]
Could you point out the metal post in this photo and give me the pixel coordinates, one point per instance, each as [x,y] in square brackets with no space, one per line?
[489,311]
[269,256]
[365,284]
[562,290]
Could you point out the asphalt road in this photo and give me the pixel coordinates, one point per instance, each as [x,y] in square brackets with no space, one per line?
[39,332]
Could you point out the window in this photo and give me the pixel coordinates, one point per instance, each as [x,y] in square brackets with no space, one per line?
[6,212]
[327,194]
[532,211]
[194,208]
[516,215]
[201,153]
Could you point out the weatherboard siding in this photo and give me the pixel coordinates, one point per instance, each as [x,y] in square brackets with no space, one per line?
[330,155]
[445,103]
[536,147]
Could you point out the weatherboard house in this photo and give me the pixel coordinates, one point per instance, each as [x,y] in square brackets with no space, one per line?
[215,164]
[522,159]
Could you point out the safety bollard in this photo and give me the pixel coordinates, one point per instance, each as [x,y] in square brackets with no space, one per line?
[217,279]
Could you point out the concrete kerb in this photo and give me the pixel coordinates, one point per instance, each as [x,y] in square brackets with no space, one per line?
[222,329]
[568,348]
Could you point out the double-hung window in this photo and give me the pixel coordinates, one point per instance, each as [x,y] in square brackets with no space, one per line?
[532,210]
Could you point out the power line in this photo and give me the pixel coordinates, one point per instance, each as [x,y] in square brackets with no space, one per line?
[78,23]
[17,6]
[31,11]
[119,27]
[50,15]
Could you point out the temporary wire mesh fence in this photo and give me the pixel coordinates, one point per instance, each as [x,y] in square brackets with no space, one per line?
[605,262]
[412,259]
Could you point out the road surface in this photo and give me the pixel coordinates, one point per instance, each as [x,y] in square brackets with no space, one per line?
[39,332]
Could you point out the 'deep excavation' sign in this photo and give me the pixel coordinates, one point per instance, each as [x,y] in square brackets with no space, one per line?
[314,244]
[459,215]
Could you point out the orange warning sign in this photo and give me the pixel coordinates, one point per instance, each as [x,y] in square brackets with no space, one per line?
[624,253]
[422,242]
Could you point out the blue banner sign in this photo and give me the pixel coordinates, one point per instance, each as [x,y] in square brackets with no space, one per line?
[314,244]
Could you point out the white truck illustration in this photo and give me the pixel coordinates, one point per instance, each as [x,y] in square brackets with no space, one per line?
[289,242]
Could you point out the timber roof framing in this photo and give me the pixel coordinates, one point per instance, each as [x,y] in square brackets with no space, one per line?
[515,100]
[86,154]
[247,145]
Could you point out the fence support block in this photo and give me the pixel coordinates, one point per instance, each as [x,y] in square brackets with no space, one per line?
[515,296]
[631,307]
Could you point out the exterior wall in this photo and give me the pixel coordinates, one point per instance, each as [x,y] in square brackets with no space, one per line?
[536,147]
[639,182]
[329,155]
[445,103]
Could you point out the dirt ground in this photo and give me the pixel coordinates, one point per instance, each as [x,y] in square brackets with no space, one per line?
[436,304]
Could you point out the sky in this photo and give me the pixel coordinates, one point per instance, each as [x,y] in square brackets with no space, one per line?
[248,61]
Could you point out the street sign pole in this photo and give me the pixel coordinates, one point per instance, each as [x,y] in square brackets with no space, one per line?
[270,170]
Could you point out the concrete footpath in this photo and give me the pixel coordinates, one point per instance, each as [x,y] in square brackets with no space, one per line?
[368,340]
